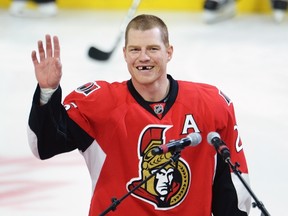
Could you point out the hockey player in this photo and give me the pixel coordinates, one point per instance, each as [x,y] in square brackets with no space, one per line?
[44,8]
[218,10]
[279,9]
[116,126]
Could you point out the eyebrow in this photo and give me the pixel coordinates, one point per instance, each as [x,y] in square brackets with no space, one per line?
[152,45]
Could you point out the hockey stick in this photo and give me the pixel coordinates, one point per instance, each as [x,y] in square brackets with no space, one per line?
[97,54]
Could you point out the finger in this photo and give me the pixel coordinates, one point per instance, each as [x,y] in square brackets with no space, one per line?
[34,58]
[48,46]
[56,47]
[41,50]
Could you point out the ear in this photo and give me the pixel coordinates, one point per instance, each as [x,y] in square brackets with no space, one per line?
[170,50]
[124,52]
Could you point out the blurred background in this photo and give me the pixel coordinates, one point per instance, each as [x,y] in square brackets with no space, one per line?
[242,50]
[254,6]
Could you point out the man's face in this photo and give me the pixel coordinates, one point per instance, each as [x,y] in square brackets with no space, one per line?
[146,56]
[163,181]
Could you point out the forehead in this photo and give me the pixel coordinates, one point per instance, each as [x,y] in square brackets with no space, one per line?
[149,36]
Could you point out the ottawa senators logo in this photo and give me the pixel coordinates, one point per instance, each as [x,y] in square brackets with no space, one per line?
[168,187]
[88,88]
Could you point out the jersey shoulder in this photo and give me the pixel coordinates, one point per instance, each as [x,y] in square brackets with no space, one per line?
[97,89]
[203,91]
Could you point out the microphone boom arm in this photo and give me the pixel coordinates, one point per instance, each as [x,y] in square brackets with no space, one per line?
[115,202]
[256,203]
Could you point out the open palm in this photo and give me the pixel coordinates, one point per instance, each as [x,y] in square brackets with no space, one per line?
[48,68]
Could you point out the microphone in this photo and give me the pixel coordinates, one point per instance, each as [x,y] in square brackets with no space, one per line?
[214,139]
[192,139]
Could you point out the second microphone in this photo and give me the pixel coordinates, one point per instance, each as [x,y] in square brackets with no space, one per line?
[192,139]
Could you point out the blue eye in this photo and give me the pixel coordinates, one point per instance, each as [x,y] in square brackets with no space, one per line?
[134,49]
[154,48]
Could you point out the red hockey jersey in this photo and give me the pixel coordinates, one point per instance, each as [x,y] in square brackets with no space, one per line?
[124,129]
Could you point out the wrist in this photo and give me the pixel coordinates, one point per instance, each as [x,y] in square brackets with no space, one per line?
[46,94]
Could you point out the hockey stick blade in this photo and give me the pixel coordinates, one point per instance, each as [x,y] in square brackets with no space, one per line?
[100,55]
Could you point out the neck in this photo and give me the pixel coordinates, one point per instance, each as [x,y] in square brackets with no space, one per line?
[153,92]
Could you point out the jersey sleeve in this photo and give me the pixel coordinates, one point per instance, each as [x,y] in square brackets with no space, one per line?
[229,194]
[51,131]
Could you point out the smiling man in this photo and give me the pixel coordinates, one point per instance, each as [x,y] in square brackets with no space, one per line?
[147,52]
[116,126]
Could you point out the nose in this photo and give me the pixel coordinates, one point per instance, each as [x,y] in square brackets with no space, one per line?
[143,56]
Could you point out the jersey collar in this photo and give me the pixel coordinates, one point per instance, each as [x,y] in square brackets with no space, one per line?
[172,95]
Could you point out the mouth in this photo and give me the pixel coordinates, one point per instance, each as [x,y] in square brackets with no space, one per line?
[144,68]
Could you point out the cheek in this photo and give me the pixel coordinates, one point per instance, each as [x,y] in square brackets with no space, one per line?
[129,62]
[129,58]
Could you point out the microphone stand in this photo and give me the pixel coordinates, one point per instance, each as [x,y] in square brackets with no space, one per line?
[116,202]
[257,203]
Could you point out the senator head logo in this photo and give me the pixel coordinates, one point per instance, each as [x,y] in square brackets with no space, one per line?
[169,185]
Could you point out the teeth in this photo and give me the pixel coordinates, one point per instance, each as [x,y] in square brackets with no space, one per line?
[144,67]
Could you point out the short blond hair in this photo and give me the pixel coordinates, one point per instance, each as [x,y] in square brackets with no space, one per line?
[146,22]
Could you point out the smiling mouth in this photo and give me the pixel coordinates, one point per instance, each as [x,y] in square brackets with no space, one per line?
[142,68]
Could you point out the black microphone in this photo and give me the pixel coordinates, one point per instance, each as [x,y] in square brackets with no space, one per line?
[192,139]
[214,139]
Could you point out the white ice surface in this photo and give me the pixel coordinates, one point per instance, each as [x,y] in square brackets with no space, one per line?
[247,57]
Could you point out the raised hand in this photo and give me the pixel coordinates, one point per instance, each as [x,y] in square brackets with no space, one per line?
[48,68]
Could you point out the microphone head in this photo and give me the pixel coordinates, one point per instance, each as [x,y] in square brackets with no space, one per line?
[211,136]
[195,138]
